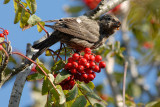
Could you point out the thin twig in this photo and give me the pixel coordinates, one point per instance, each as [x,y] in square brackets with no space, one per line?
[38,67]
[56,54]
[64,50]
[59,51]
[6,59]
[124,81]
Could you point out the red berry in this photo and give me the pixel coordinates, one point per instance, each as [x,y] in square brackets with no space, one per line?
[87,65]
[98,58]
[102,64]
[2,35]
[99,70]
[73,71]
[5,32]
[34,68]
[80,68]
[74,64]
[87,56]
[72,82]
[75,56]
[70,59]
[55,75]
[68,78]
[92,58]
[94,74]
[83,61]
[82,71]
[86,81]
[68,66]
[92,64]
[96,68]
[64,87]
[87,51]
[84,76]
[72,77]
[88,71]
[90,77]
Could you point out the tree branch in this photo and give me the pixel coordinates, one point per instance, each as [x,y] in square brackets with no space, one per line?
[110,61]
[103,7]
[18,87]
[124,81]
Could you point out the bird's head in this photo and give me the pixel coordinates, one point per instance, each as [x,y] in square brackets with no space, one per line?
[109,24]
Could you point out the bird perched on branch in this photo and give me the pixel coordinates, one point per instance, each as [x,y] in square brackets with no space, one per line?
[80,32]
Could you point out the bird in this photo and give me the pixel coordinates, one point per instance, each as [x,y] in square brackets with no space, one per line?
[80,32]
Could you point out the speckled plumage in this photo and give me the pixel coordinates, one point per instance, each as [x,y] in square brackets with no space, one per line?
[80,32]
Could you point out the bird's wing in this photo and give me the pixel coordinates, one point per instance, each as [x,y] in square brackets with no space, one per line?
[81,27]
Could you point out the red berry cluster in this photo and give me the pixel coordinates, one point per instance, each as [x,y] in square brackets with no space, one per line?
[5,32]
[68,83]
[82,68]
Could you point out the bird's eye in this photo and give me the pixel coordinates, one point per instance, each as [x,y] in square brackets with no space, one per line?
[108,18]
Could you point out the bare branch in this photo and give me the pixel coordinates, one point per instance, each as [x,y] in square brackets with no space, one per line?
[18,87]
[110,61]
[103,7]
[124,81]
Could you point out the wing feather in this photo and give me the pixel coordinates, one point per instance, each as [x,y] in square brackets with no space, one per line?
[82,28]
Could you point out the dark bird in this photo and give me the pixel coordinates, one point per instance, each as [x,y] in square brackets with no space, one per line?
[80,32]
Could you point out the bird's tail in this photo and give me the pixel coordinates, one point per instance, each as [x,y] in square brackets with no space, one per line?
[46,43]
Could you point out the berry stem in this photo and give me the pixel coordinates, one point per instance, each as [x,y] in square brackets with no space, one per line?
[124,81]
[56,54]
[4,50]
[59,51]
[2,29]
[5,60]
[52,55]
[38,66]
[64,50]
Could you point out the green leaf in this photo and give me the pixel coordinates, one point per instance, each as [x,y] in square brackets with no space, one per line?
[15,5]
[39,28]
[98,105]
[35,76]
[33,20]
[58,66]
[72,94]
[24,18]
[32,5]
[18,14]
[6,1]
[153,104]
[94,101]
[62,76]
[62,98]
[47,53]
[88,91]
[51,77]
[73,9]
[79,102]
[45,87]
[2,39]
[42,66]
[91,85]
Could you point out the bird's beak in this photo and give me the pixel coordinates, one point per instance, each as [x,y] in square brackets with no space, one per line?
[117,25]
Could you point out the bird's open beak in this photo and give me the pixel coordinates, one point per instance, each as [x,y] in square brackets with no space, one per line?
[118,24]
